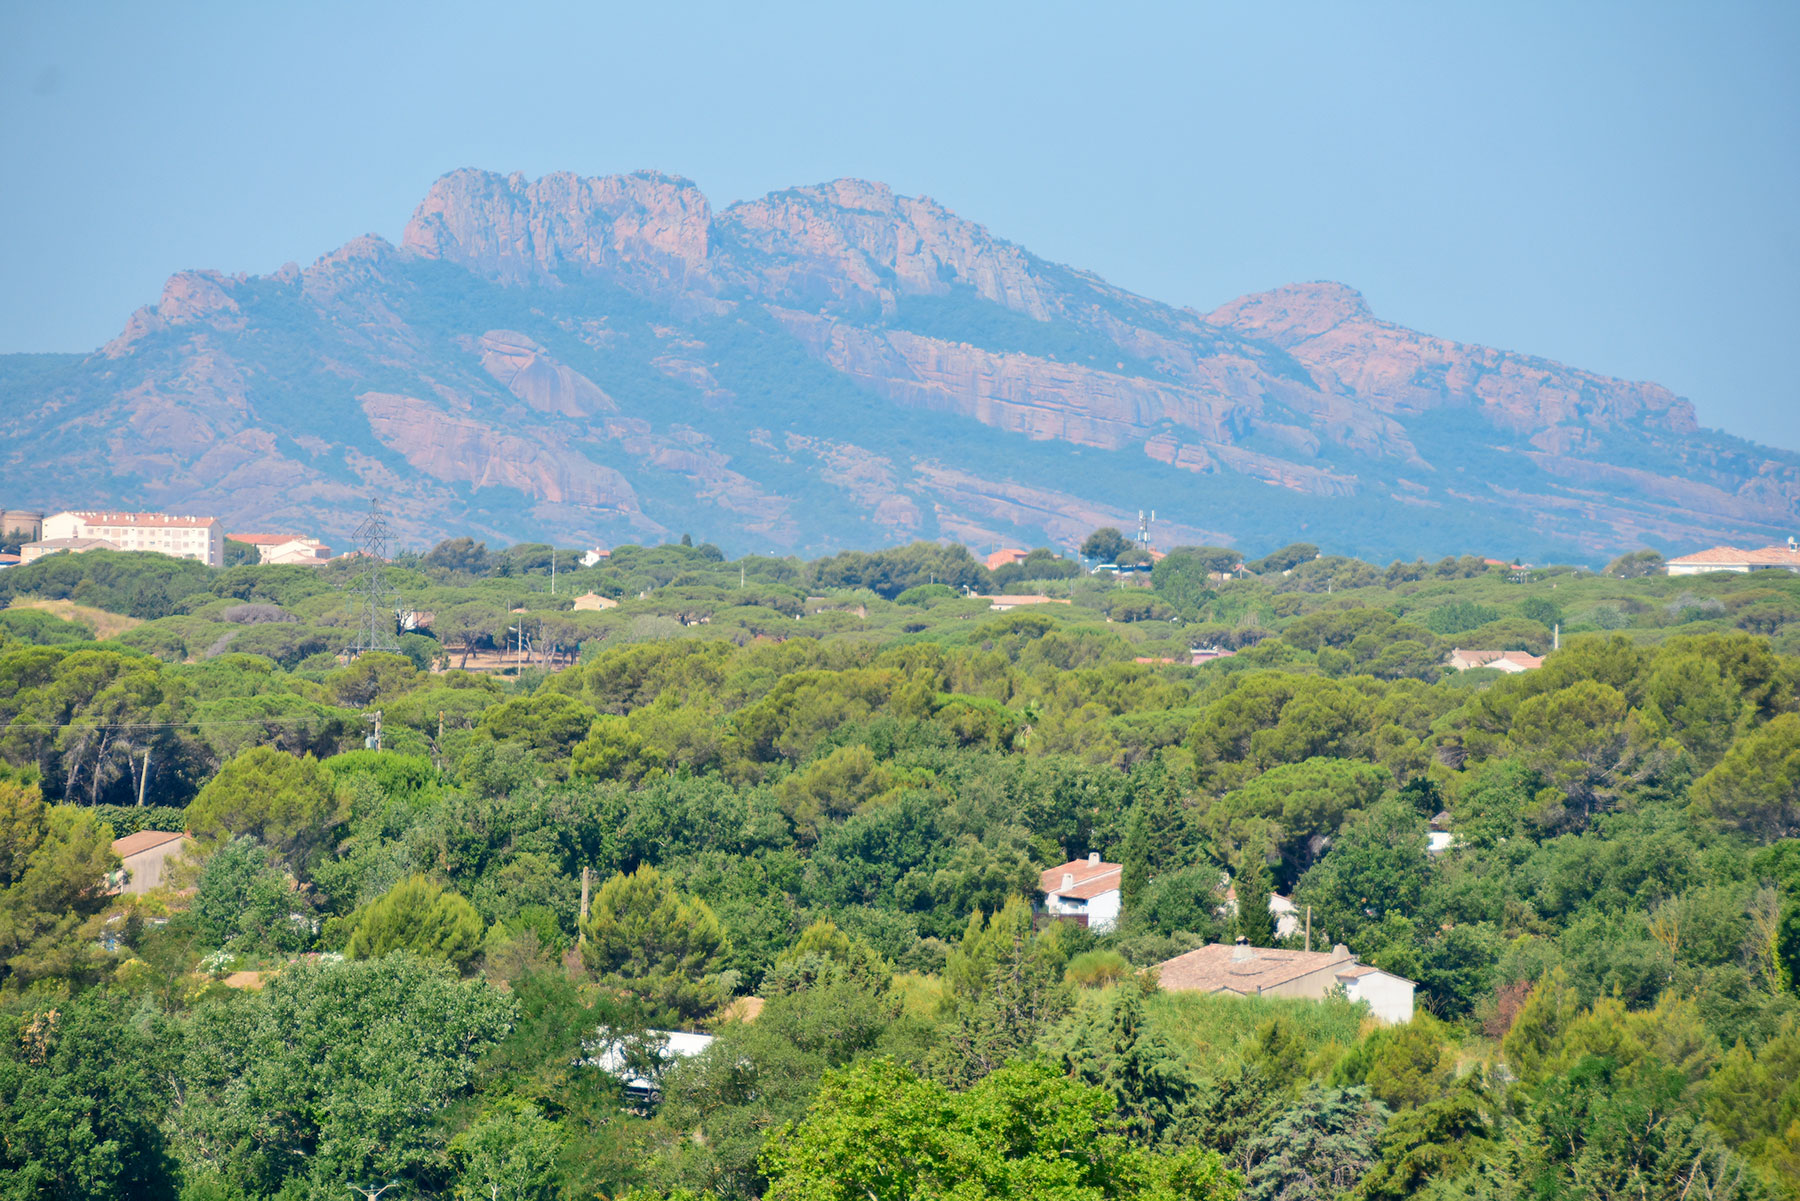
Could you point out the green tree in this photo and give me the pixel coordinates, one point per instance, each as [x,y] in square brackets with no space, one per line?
[421,917]
[1254,921]
[1122,1055]
[334,1072]
[1636,563]
[243,901]
[291,804]
[83,1088]
[1377,866]
[878,1133]
[510,1151]
[1755,788]
[1285,559]
[53,888]
[1318,1150]
[1104,544]
[646,938]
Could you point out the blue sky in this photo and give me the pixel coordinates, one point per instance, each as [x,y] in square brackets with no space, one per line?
[1614,185]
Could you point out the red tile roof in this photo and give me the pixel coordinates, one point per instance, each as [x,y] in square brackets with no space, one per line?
[95,517]
[1001,558]
[1091,879]
[1218,967]
[143,840]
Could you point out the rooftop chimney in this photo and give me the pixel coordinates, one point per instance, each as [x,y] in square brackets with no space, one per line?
[1242,952]
[1094,857]
[1068,880]
[1340,951]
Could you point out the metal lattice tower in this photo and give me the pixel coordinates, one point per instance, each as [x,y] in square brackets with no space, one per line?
[374,599]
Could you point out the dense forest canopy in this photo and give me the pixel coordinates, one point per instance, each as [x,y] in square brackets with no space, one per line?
[803,806]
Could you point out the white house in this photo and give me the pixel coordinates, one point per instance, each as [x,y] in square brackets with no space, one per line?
[1083,890]
[201,538]
[1244,971]
[1731,558]
[596,555]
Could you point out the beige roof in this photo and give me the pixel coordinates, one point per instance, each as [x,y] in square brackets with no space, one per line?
[264,539]
[998,601]
[1484,658]
[1091,879]
[143,840]
[1217,967]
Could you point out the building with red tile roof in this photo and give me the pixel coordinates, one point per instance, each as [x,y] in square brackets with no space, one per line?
[1002,558]
[1083,890]
[1246,971]
[1736,559]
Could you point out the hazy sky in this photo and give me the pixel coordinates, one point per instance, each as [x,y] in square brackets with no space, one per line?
[1614,185]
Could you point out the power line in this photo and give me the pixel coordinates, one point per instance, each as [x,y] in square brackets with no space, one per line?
[152,725]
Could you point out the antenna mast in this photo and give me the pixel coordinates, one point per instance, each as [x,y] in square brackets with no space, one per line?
[375,601]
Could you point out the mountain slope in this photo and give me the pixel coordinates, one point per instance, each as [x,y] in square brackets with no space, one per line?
[610,359]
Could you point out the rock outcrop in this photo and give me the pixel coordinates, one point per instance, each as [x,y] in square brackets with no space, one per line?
[839,365]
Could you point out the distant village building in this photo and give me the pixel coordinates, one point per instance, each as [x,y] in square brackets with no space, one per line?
[1510,662]
[597,555]
[1731,558]
[1006,557]
[1001,604]
[1084,891]
[182,536]
[144,859]
[589,601]
[31,552]
[7,560]
[295,549]
[1206,654]
[1245,971]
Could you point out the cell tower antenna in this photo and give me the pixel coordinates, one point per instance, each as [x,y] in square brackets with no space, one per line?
[375,601]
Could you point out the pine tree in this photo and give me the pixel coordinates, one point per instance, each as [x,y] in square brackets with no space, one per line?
[1254,921]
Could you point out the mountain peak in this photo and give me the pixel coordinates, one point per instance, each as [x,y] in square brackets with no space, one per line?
[518,230]
[1292,314]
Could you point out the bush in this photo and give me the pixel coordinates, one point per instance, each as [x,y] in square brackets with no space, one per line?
[1096,969]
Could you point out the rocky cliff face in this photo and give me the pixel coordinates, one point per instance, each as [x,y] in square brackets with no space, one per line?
[610,359]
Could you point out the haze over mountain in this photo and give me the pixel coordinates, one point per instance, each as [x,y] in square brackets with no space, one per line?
[610,360]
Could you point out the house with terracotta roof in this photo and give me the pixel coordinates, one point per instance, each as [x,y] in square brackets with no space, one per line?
[1246,971]
[145,859]
[1510,662]
[296,549]
[1084,891]
[1731,558]
[1002,558]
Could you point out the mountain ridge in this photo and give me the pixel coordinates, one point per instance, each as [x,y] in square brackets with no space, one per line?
[611,359]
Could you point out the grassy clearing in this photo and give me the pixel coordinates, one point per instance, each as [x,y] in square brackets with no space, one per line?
[105,625]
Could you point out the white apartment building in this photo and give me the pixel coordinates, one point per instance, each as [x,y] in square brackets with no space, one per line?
[184,537]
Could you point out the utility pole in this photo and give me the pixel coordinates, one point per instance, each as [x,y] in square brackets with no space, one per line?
[553,571]
[144,778]
[581,937]
[1309,927]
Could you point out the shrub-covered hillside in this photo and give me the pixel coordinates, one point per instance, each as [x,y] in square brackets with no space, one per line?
[803,807]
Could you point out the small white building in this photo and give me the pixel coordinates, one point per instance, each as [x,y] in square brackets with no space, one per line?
[295,549]
[1510,662]
[1245,971]
[1084,891]
[597,555]
[145,859]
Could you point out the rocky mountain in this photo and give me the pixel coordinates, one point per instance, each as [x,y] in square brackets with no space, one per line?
[612,360]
